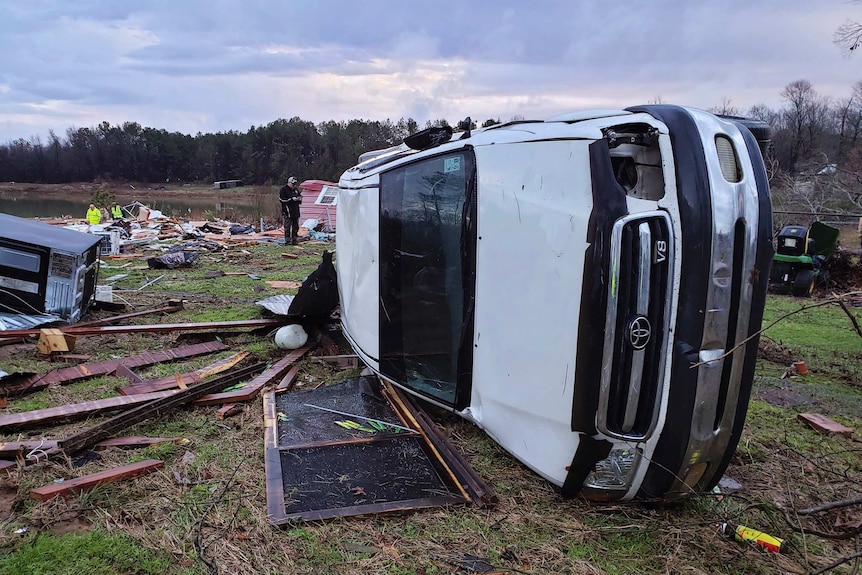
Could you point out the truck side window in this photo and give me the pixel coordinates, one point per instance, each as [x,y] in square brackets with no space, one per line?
[422,283]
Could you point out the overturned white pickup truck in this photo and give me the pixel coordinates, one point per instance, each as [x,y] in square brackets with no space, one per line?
[583,288]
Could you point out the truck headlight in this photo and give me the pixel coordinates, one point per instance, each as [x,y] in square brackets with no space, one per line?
[614,471]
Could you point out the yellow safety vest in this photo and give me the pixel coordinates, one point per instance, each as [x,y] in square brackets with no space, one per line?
[116,212]
[94,216]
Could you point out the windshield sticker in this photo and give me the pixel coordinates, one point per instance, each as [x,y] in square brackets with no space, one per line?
[451,164]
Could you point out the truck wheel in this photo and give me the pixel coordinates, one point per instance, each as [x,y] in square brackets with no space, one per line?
[803,283]
[761,131]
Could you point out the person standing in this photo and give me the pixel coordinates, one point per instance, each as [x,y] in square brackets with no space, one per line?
[116,211]
[290,198]
[94,215]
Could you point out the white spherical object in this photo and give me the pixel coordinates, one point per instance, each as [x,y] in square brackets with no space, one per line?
[290,337]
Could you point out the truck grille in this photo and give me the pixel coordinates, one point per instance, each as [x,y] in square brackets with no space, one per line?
[636,326]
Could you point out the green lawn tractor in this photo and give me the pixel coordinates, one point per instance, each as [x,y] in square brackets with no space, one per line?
[799,258]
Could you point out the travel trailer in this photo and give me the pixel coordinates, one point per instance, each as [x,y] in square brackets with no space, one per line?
[586,289]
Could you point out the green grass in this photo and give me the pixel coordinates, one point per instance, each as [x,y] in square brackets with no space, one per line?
[825,328]
[93,553]
[532,529]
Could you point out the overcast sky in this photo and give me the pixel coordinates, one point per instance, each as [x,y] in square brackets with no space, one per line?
[206,66]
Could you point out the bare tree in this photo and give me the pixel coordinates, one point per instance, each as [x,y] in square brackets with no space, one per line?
[848,122]
[848,36]
[804,120]
[725,108]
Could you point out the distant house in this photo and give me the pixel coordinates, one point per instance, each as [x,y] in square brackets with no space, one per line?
[227,184]
[319,201]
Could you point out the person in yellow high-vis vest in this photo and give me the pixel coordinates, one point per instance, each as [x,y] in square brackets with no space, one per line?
[94,215]
[116,211]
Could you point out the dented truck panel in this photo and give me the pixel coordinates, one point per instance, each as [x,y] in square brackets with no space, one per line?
[581,288]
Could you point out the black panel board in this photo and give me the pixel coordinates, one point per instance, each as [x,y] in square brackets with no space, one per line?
[358,474]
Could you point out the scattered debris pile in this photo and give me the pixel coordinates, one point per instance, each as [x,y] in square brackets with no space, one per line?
[844,271]
[153,231]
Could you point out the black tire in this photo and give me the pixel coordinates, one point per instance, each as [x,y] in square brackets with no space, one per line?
[761,131]
[803,283]
[758,128]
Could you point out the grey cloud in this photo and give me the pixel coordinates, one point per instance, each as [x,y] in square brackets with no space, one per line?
[161,59]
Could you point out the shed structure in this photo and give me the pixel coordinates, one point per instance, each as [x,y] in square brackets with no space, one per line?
[319,201]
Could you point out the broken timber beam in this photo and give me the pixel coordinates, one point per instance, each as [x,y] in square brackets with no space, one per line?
[479,491]
[228,410]
[252,389]
[157,328]
[77,485]
[157,407]
[171,382]
[173,306]
[288,380]
[76,410]
[78,372]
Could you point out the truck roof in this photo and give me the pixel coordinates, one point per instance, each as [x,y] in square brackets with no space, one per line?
[578,125]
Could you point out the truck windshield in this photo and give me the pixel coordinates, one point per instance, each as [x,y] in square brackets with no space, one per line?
[426,236]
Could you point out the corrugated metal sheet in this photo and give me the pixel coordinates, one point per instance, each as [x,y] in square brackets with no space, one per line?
[24,321]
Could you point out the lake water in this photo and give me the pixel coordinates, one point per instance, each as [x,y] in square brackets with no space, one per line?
[246,207]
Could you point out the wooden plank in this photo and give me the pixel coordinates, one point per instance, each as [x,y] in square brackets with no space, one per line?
[174,305]
[288,380]
[228,410]
[283,284]
[78,372]
[72,411]
[253,388]
[153,328]
[825,425]
[273,480]
[73,486]
[7,465]
[373,508]
[160,384]
[170,382]
[158,406]
[480,492]
[222,364]
[397,402]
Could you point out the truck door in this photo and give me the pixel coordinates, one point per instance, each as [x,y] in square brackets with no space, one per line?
[427,270]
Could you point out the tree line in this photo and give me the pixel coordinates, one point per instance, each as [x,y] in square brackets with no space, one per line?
[813,135]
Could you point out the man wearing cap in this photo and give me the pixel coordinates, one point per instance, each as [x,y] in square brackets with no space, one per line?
[290,198]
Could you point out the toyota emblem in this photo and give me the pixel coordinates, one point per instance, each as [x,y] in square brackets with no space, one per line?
[640,332]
